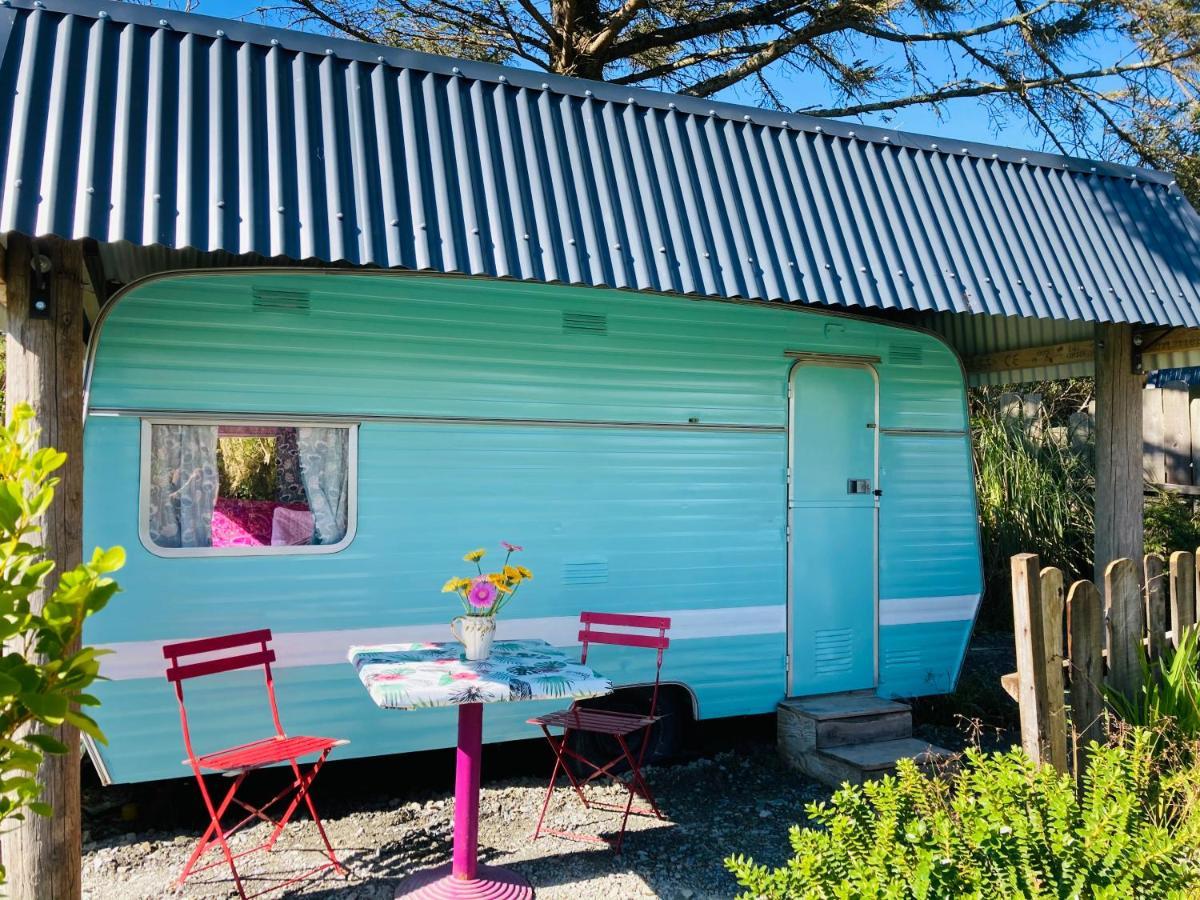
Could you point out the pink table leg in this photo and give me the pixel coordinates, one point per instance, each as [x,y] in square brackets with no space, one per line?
[464,878]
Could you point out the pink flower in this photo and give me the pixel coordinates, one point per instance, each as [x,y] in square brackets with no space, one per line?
[464,676]
[482,593]
[511,548]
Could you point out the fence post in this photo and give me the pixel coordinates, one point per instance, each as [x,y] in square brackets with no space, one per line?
[1156,604]
[1028,626]
[1085,628]
[1125,626]
[1052,599]
[1183,593]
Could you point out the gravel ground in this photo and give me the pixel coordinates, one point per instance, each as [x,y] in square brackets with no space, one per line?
[388,817]
[739,800]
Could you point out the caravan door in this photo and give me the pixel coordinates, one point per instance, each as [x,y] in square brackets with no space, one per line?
[833,527]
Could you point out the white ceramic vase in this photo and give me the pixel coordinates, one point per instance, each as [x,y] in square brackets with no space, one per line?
[476,634]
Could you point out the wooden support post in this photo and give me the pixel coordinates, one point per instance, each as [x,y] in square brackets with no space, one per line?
[1118,449]
[45,370]
[1085,626]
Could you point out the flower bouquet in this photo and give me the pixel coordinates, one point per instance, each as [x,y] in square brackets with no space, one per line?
[483,596]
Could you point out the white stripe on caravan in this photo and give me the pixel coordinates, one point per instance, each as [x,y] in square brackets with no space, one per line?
[144,659]
[919,610]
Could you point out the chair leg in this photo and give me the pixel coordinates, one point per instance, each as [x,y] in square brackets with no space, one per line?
[312,811]
[215,815]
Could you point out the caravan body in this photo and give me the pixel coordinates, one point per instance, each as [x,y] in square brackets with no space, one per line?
[793,487]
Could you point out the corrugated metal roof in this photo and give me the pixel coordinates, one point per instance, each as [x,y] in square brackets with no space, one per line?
[126,123]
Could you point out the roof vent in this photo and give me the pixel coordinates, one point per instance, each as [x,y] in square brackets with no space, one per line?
[272,300]
[905,354]
[584,323]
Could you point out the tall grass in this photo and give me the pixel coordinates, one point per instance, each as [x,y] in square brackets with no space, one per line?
[1035,495]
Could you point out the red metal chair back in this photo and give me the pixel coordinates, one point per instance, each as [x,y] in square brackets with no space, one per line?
[590,635]
[224,653]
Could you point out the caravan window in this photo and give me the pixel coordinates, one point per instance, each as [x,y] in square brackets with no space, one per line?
[247,489]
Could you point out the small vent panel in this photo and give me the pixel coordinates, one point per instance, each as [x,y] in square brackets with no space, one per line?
[902,659]
[832,653]
[584,323]
[592,571]
[906,354]
[272,300]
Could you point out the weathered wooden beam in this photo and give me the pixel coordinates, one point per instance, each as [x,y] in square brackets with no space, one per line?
[1119,490]
[1053,599]
[1125,619]
[1070,352]
[45,370]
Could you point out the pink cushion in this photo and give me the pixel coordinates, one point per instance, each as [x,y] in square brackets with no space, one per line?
[247,523]
[291,527]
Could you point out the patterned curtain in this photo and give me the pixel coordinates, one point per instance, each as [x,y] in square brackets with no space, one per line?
[289,484]
[183,484]
[324,465]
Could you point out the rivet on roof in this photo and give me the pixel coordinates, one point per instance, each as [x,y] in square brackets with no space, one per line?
[504,78]
[886,139]
[328,52]
[274,42]
[851,134]
[220,33]
[746,117]
[819,130]
[163,23]
[279,209]
[1024,159]
[965,150]
[785,123]
[616,246]
[220,204]
[670,106]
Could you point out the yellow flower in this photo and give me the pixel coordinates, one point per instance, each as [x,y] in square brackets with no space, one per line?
[512,573]
[524,572]
[475,555]
[451,585]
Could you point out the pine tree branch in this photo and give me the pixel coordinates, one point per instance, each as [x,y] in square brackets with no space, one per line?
[986,89]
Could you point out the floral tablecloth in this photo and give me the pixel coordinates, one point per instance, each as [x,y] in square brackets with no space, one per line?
[408,676]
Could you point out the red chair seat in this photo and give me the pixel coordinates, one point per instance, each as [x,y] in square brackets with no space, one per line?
[600,721]
[265,752]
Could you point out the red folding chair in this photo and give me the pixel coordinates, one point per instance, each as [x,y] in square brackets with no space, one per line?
[237,762]
[620,726]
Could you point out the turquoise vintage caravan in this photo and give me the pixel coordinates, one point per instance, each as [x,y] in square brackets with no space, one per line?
[793,487]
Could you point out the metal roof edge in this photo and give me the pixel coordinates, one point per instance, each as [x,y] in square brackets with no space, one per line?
[307,42]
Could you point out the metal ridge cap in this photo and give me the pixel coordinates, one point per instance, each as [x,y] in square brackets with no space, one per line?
[347,48]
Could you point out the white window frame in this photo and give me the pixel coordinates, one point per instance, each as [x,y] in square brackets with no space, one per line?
[265,550]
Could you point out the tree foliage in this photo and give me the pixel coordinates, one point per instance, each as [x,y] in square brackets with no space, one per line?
[44,675]
[1108,77]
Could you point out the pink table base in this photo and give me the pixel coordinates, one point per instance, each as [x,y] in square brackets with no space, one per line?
[464,878]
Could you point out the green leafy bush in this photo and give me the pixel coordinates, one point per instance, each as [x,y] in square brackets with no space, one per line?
[1168,699]
[1001,827]
[43,681]
[1171,523]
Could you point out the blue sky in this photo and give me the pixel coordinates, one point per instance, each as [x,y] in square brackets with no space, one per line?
[967,119]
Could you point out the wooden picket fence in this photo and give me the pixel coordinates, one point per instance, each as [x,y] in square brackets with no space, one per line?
[1072,644]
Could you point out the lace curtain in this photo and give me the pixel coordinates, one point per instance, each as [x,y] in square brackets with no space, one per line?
[183,484]
[325,469]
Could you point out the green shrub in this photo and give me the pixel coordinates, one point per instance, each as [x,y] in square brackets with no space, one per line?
[1171,523]
[999,828]
[1168,699]
[246,467]
[42,681]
